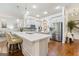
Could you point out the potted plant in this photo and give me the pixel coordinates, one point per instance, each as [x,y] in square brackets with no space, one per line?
[71,25]
[21,29]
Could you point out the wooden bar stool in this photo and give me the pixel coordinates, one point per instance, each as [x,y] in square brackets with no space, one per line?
[13,43]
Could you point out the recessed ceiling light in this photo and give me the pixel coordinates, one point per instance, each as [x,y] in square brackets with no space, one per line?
[58,7]
[34,6]
[27,12]
[45,12]
[37,15]
[17,20]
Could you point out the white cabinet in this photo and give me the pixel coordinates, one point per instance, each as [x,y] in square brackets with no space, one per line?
[34,44]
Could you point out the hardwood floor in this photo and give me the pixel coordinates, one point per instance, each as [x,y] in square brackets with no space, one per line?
[54,49]
[60,49]
[16,53]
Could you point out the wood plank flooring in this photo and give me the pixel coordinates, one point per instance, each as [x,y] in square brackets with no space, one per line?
[54,49]
[16,53]
[60,49]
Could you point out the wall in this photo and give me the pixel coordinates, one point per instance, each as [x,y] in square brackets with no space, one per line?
[35,21]
[32,21]
[70,16]
[39,22]
[53,19]
[11,22]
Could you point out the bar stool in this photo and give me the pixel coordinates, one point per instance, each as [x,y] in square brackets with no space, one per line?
[13,43]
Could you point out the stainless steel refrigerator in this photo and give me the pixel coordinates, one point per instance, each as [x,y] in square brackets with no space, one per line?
[58,31]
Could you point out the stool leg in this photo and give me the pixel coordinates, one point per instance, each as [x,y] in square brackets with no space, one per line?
[19,45]
[15,46]
[12,49]
[9,47]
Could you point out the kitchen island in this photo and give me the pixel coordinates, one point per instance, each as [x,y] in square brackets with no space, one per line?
[34,44]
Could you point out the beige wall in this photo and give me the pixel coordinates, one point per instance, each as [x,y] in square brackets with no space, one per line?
[70,16]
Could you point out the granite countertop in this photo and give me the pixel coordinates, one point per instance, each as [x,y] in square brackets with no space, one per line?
[32,36]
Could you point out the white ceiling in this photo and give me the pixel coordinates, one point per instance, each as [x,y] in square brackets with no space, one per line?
[10,10]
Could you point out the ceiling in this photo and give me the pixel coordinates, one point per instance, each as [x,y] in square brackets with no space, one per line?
[17,10]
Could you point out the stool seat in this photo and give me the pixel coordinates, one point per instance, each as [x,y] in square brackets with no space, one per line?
[15,41]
